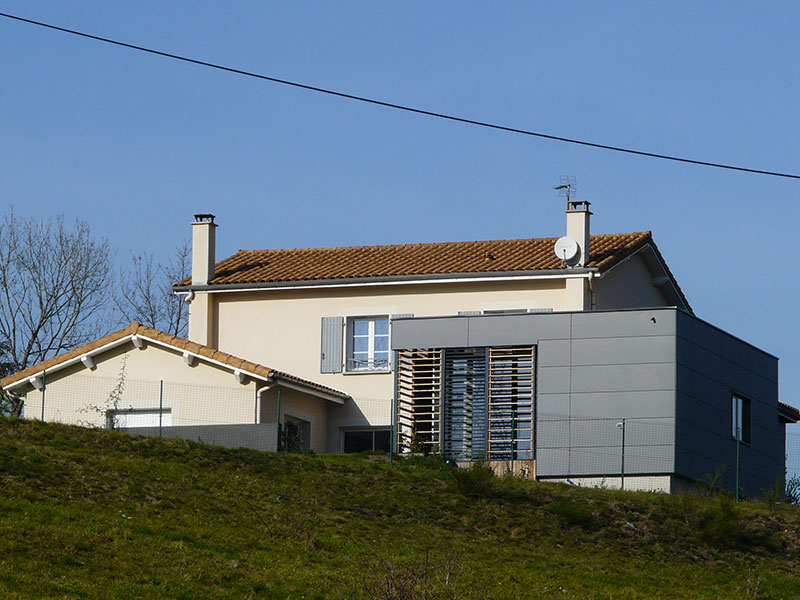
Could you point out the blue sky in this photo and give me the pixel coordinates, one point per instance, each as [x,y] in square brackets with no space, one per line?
[134,144]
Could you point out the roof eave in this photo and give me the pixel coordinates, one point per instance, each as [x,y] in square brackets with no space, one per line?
[788,413]
[391,279]
[281,379]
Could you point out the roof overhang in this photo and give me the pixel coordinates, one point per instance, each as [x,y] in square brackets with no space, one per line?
[138,340]
[787,413]
[576,273]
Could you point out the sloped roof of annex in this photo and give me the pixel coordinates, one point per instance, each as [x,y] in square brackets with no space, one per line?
[158,337]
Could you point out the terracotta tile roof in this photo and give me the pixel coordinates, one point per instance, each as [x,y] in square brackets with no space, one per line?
[397,260]
[176,342]
[788,411]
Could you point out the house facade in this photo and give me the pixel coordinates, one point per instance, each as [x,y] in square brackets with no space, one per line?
[574,358]
[325,314]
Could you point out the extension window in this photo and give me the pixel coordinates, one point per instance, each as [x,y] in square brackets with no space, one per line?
[740,422]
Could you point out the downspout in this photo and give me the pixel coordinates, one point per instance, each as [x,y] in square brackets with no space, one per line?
[259,401]
[590,277]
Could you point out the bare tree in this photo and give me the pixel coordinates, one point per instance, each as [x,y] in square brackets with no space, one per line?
[54,286]
[145,292]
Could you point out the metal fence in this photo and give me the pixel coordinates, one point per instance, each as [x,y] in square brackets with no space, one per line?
[225,416]
[629,453]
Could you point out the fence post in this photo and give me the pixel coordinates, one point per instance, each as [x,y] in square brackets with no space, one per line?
[278,440]
[621,425]
[160,405]
[44,388]
[738,437]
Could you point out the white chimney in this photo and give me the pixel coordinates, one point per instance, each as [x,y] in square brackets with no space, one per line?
[578,215]
[203,248]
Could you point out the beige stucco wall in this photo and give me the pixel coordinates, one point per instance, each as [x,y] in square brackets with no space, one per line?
[300,406]
[282,328]
[202,394]
[628,285]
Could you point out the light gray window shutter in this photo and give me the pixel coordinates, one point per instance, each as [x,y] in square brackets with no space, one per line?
[468,313]
[332,344]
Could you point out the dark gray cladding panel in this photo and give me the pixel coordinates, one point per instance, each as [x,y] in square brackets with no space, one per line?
[553,380]
[430,333]
[724,345]
[620,351]
[626,404]
[554,353]
[624,378]
[498,330]
[553,405]
[713,366]
[552,462]
[624,323]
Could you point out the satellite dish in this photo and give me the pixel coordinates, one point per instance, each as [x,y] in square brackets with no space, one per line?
[567,249]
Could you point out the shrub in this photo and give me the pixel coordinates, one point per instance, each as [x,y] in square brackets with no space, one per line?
[719,522]
[572,512]
[477,481]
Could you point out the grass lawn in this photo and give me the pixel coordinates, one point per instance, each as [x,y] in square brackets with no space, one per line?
[99,514]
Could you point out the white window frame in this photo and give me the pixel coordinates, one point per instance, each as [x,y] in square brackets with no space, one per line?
[737,419]
[370,367]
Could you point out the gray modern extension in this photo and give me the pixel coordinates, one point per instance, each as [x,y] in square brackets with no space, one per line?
[644,399]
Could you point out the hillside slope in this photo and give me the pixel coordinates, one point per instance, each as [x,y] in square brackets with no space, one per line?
[89,513]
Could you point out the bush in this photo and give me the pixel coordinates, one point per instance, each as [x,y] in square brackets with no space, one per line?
[720,524]
[477,481]
[573,512]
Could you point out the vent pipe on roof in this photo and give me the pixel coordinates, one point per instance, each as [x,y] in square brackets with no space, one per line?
[203,248]
[578,215]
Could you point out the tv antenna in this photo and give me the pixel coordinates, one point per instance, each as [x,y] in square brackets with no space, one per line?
[568,187]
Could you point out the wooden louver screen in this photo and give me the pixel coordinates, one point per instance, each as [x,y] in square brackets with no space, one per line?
[419,400]
[464,435]
[511,396]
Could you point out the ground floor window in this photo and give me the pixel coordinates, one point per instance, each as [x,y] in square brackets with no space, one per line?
[138,417]
[367,440]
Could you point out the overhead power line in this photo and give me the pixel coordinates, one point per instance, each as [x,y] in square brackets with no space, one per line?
[402,107]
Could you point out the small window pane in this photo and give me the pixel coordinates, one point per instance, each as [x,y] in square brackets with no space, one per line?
[360,344]
[381,344]
[381,326]
[361,327]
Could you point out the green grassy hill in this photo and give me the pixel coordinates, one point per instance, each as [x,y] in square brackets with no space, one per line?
[88,513]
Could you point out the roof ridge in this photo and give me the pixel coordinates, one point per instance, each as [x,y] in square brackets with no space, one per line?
[418,244]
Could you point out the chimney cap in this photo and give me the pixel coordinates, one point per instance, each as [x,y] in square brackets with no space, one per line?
[202,217]
[578,205]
